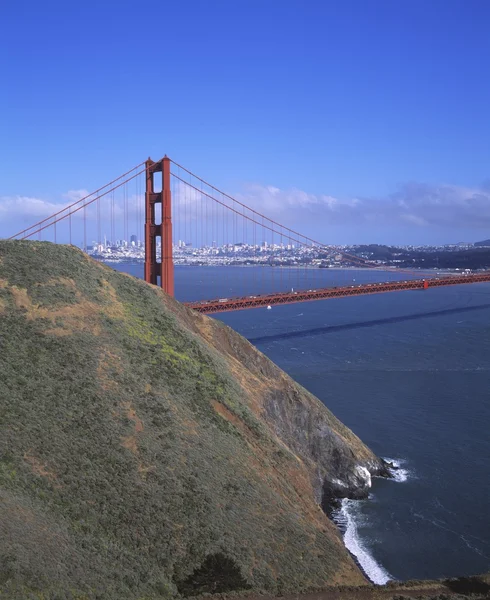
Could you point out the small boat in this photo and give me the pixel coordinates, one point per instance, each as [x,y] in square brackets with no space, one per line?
[269,307]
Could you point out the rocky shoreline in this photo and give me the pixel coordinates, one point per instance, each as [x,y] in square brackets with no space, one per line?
[355,486]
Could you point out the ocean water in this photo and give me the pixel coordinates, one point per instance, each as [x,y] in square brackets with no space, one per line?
[409,373]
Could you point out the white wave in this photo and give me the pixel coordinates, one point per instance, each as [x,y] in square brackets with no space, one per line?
[398,474]
[364,475]
[345,517]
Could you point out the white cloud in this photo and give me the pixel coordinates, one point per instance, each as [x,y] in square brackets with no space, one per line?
[14,207]
[413,219]
[418,205]
[74,195]
[18,208]
[414,205]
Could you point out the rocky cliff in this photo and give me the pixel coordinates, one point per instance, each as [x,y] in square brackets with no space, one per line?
[147,451]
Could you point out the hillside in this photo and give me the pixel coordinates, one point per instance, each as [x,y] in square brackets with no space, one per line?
[148,451]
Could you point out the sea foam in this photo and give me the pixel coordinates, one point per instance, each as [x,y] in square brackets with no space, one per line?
[399,473]
[347,517]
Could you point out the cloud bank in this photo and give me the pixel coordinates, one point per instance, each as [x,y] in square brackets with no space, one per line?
[417,209]
[18,212]
[416,205]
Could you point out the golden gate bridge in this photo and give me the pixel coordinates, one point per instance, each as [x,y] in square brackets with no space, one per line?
[165,201]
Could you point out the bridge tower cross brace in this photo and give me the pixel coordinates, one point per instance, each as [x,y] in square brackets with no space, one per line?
[163,268]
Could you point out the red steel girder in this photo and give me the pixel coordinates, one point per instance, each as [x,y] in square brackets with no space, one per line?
[229,304]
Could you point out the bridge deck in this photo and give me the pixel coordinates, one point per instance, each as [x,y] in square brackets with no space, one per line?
[229,304]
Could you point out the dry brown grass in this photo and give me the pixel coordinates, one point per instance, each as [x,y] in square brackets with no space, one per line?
[224,412]
[109,363]
[254,385]
[41,469]
[130,442]
[84,315]
[132,416]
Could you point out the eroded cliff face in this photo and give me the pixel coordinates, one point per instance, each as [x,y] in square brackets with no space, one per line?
[338,463]
[157,451]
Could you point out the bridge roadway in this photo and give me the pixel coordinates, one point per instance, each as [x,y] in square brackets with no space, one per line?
[229,304]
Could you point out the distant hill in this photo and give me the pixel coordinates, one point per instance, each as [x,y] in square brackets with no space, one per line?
[147,451]
[483,243]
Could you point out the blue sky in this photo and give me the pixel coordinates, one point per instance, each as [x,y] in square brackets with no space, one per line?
[377,111]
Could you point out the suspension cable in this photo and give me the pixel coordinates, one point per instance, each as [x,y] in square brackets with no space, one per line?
[79,207]
[75,203]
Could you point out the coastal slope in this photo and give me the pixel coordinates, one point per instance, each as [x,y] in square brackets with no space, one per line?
[149,451]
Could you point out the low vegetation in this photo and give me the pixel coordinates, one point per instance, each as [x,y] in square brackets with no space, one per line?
[133,463]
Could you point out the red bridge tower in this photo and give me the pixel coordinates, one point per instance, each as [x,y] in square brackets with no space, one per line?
[162,266]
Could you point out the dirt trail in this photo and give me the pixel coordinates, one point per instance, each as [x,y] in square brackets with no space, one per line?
[476,588]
